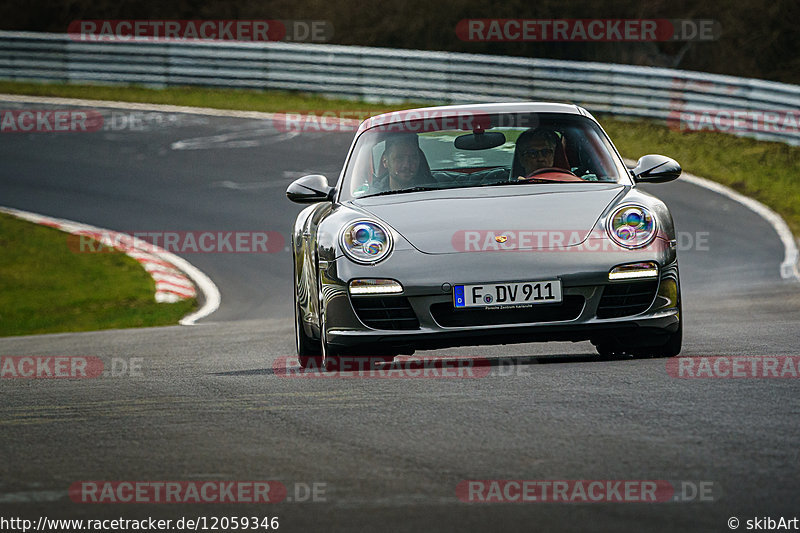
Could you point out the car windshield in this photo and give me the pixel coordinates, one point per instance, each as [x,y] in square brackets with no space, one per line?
[479,150]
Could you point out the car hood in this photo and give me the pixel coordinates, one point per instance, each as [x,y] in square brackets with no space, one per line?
[533,216]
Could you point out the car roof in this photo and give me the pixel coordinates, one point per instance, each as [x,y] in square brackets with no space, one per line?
[488,108]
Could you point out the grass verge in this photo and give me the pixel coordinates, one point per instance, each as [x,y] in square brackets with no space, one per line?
[46,288]
[238,99]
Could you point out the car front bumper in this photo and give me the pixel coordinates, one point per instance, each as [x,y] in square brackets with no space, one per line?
[428,280]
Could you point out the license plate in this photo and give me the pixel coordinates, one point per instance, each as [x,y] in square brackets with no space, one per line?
[517,294]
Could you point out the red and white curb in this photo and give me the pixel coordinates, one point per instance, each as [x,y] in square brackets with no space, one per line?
[175,278]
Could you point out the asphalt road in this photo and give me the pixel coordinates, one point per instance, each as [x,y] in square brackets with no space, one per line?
[208,405]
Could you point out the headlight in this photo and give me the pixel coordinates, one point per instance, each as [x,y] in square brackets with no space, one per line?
[631,226]
[366,242]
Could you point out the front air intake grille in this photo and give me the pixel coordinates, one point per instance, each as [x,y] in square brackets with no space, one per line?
[625,299]
[385,312]
[448,316]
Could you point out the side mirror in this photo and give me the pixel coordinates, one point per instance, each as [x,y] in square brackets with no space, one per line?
[656,169]
[310,189]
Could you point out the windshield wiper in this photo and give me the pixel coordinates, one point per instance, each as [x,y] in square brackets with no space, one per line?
[398,191]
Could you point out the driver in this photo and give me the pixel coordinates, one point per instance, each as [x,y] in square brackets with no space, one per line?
[535,150]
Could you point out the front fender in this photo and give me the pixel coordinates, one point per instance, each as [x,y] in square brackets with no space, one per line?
[305,260]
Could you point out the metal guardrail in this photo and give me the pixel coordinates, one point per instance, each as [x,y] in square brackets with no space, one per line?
[378,74]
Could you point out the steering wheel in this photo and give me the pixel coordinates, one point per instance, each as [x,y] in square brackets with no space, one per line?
[539,175]
[547,170]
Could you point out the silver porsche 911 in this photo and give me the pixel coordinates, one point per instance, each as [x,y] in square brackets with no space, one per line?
[484,224]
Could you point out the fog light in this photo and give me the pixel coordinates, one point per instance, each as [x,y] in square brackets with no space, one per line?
[646,270]
[363,287]
[668,293]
